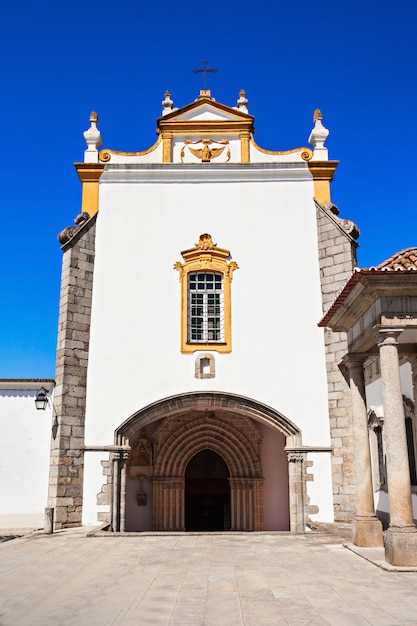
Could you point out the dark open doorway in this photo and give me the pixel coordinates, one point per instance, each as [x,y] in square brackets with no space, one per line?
[207,493]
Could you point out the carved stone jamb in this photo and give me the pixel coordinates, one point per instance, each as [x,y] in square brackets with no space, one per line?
[401,536]
[141,464]
[246,504]
[296,490]
[168,504]
[118,517]
[367,529]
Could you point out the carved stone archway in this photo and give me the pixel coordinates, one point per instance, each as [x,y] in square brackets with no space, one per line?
[225,424]
[236,440]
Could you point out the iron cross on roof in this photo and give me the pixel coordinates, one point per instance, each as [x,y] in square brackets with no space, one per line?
[205,70]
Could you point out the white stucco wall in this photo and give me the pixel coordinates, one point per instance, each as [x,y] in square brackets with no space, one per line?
[266,217]
[24,459]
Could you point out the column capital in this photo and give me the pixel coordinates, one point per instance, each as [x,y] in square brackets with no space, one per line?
[387,335]
[355,359]
[294,456]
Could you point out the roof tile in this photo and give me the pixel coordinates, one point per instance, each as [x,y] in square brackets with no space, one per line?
[404,260]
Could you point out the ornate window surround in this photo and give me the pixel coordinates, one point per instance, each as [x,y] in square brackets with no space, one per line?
[206,257]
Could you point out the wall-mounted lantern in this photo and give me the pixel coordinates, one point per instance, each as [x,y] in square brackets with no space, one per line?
[41,400]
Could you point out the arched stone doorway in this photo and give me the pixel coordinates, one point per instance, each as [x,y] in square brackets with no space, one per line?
[240,431]
[207,492]
[232,437]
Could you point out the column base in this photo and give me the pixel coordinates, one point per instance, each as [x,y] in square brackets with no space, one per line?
[401,546]
[367,532]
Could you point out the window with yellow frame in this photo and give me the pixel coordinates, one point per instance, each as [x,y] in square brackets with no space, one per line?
[205,278]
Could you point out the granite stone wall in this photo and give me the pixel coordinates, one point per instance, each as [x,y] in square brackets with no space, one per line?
[337,258]
[67,456]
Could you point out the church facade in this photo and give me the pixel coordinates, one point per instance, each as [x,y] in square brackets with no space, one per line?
[194,388]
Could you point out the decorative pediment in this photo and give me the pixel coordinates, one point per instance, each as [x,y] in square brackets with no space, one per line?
[206,255]
[205,116]
[205,110]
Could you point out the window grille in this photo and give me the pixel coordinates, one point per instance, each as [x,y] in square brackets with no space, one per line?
[205,307]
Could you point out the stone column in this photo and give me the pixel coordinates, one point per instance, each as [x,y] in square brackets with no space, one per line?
[115,507]
[296,489]
[367,529]
[401,536]
[124,456]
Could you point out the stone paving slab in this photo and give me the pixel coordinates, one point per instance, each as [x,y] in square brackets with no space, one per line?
[377,557]
[255,579]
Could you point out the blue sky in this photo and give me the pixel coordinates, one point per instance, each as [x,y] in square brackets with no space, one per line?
[355,60]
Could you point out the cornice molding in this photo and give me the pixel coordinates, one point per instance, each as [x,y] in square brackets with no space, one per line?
[201,173]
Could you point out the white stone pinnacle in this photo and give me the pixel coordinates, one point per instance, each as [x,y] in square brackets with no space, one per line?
[242,103]
[318,136]
[167,104]
[93,140]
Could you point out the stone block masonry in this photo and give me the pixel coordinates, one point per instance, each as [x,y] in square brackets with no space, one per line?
[67,456]
[337,258]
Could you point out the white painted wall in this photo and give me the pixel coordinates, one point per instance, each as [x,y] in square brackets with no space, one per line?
[266,217]
[24,459]
[319,490]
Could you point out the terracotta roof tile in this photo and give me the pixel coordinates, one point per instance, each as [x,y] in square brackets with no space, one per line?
[404,260]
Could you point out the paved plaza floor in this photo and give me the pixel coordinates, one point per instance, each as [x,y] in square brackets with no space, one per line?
[228,579]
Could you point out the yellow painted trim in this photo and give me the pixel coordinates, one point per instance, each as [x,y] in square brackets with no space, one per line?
[244,146]
[166,146]
[206,127]
[105,155]
[89,175]
[323,172]
[206,256]
[306,153]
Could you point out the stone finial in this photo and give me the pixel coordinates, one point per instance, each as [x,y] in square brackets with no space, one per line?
[167,104]
[93,140]
[318,136]
[318,115]
[205,94]
[242,103]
